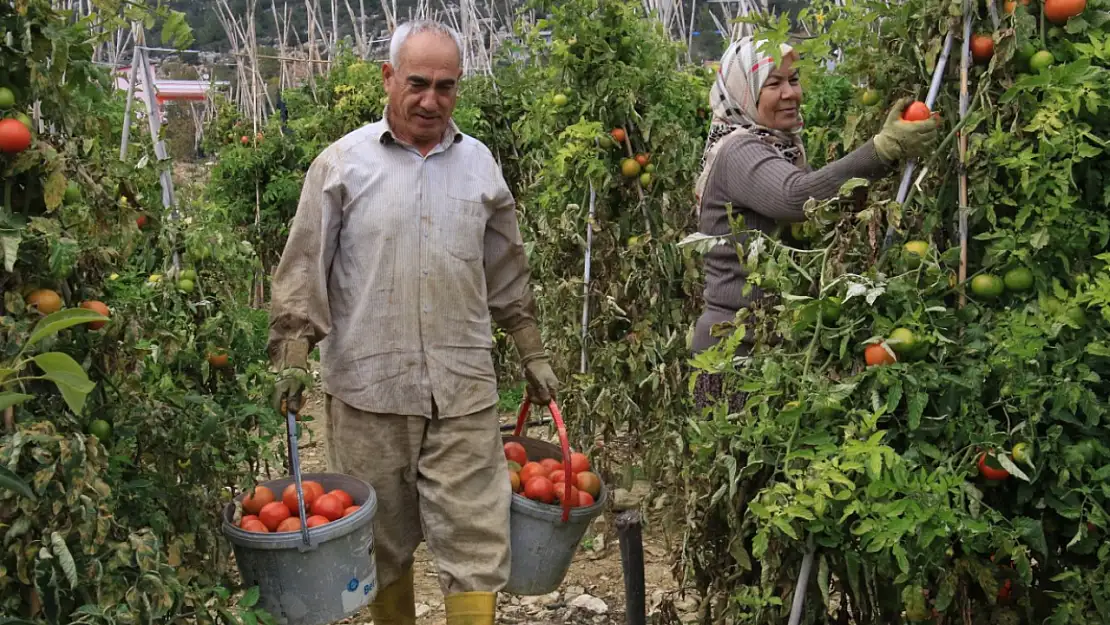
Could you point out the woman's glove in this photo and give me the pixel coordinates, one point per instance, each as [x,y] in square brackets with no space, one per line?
[900,139]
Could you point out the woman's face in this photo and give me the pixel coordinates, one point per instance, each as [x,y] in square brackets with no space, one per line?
[780,100]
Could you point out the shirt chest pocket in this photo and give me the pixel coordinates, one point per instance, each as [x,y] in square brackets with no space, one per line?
[464,225]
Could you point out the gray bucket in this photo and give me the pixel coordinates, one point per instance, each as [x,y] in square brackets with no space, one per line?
[323,582]
[543,546]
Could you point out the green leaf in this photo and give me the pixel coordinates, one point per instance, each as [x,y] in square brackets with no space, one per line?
[10,481]
[56,322]
[900,556]
[1006,463]
[249,598]
[69,377]
[11,398]
[784,525]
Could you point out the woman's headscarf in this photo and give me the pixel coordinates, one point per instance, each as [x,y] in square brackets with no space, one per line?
[734,98]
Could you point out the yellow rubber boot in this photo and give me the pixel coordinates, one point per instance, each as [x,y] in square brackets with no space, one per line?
[396,603]
[471,608]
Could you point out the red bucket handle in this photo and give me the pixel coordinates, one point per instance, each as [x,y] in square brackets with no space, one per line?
[557,416]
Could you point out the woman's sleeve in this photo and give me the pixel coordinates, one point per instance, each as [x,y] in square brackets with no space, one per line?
[751,173]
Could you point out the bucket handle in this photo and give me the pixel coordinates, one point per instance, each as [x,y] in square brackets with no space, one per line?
[553,408]
[295,463]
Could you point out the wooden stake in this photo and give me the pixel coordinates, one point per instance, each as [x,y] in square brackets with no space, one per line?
[965,62]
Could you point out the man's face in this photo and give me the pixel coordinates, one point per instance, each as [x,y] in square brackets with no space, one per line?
[423,88]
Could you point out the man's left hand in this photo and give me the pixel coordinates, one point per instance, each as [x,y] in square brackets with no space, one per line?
[542,382]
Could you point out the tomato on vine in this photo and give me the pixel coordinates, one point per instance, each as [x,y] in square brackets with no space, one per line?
[990,469]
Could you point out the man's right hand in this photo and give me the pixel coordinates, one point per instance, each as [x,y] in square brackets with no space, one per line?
[289,390]
[291,360]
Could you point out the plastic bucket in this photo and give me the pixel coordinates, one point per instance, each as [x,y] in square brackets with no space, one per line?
[544,538]
[322,582]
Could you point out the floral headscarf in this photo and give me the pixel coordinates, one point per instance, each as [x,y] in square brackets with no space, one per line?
[734,98]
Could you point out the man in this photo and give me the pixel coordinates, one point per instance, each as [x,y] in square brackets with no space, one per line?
[404,247]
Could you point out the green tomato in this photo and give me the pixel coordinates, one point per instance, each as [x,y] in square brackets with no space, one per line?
[1022,452]
[101,429]
[189,274]
[645,179]
[830,311]
[73,193]
[7,98]
[186,285]
[869,97]
[25,120]
[1018,280]
[902,341]
[560,99]
[1041,61]
[987,286]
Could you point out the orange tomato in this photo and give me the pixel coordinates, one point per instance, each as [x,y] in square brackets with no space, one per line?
[590,483]
[551,465]
[257,498]
[256,526]
[343,497]
[45,301]
[316,521]
[539,489]
[579,462]
[916,112]
[328,506]
[351,510]
[515,452]
[618,135]
[272,514]
[642,159]
[247,518]
[878,354]
[97,307]
[514,480]
[291,524]
[562,491]
[982,48]
[289,497]
[1060,11]
[531,470]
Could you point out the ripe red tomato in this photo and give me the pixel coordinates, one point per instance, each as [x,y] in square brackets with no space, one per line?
[256,526]
[531,470]
[579,463]
[619,135]
[316,521]
[14,136]
[291,524]
[916,112]
[878,354]
[642,159]
[585,499]
[140,221]
[351,510]
[328,506]
[273,514]
[982,48]
[989,472]
[540,489]
[246,519]
[289,497]
[562,491]
[344,498]
[515,452]
[1060,11]
[254,500]
[551,465]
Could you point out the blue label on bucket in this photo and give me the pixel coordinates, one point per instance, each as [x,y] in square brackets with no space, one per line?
[367,588]
[353,584]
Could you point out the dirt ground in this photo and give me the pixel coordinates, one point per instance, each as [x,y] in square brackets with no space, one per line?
[592,593]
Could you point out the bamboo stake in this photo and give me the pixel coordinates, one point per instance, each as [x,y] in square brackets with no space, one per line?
[127,105]
[965,62]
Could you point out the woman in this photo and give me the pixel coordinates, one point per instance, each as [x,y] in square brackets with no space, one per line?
[755,162]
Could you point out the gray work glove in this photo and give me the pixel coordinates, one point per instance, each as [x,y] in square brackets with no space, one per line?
[899,140]
[542,382]
[291,361]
